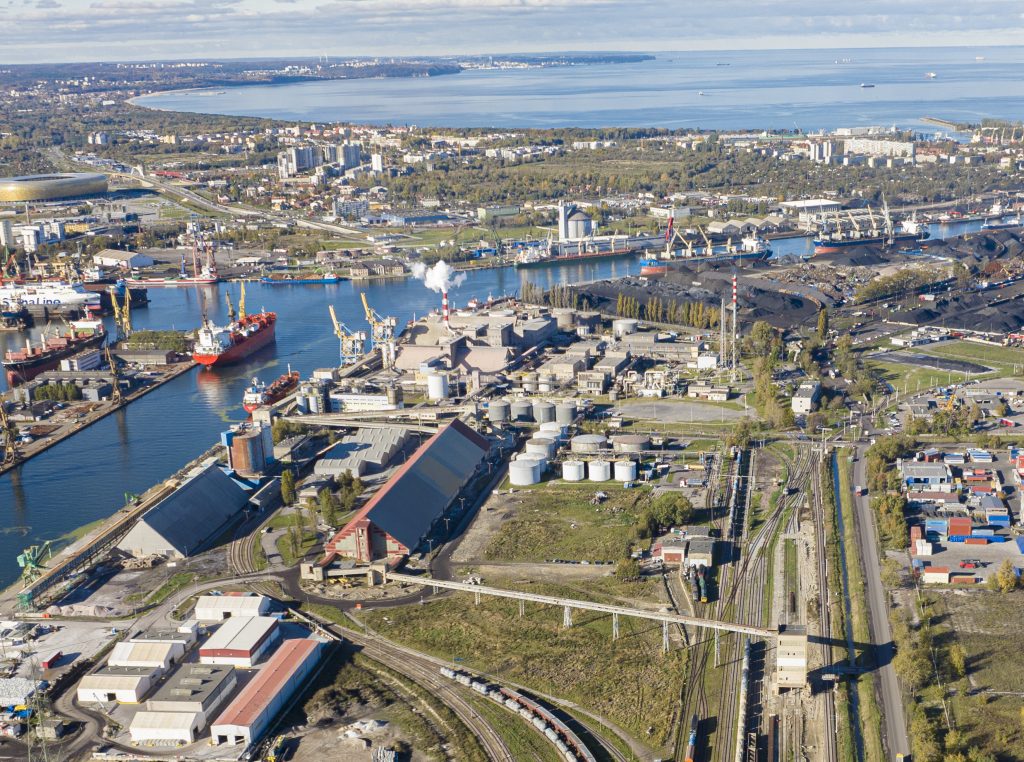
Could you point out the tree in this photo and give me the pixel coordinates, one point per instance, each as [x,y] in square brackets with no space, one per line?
[627,569]
[958,660]
[911,665]
[288,487]
[823,324]
[328,507]
[1006,577]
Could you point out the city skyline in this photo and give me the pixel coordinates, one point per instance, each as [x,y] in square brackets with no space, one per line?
[112,30]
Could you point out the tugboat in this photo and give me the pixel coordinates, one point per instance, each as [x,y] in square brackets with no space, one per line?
[260,393]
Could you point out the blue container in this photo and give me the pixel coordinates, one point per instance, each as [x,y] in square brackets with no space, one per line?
[997,538]
[1020,544]
[957,537]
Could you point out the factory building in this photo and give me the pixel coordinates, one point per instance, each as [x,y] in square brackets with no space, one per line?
[125,685]
[368,450]
[181,709]
[241,641]
[215,608]
[395,520]
[247,718]
[791,656]
[148,655]
[126,260]
[165,727]
[184,522]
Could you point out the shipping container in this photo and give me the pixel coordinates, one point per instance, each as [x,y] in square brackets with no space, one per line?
[51,661]
[976,541]
[983,532]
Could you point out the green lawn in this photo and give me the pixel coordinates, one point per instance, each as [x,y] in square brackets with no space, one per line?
[1006,360]
[556,520]
[914,378]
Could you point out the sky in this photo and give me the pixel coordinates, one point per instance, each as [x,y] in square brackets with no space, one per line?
[37,31]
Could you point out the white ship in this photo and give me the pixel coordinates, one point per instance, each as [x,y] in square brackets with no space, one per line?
[16,296]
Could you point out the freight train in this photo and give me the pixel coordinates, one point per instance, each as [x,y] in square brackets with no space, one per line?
[568,743]
[691,742]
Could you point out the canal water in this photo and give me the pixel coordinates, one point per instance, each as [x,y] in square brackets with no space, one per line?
[85,478]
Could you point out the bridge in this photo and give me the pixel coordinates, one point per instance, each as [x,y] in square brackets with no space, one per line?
[569,605]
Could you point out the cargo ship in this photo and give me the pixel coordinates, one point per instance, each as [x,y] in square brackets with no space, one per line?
[260,393]
[751,247]
[202,275]
[290,280]
[23,365]
[223,345]
[838,237]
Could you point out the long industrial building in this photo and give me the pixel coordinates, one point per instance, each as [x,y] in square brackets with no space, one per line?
[214,608]
[184,522]
[183,705]
[395,520]
[241,641]
[247,718]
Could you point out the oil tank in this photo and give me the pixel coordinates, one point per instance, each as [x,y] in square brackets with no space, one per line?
[522,410]
[546,382]
[540,447]
[437,386]
[599,470]
[530,383]
[631,443]
[573,470]
[553,429]
[523,472]
[565,318]
[625,471]
[543,412]
[565,413]
[623,327]
[498,411]
[588,443]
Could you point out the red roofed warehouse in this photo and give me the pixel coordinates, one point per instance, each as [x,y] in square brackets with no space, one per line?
[249,715]
[396,519]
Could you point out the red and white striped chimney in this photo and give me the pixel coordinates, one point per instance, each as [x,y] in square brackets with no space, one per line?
[445,315]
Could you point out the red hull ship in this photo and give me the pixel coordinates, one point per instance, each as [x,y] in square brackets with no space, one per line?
[233,343]
[260,394]
[23,365]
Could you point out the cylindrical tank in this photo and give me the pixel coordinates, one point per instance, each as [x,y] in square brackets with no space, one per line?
[625,471]
[588,443]
[540,447]
[623,327]
[565,318]
[530,383]
[553,429]
[437,386]
[631,443]
[247,452]
[543,412]
[522,410]
[573,470]
[599,470]
[546,382]
[523,472]
[498,411]
[613,395]
[565,413]
[541,463]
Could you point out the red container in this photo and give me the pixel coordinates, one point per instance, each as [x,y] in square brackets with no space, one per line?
[51,661]
[959,525]
[961,579]
[976,541]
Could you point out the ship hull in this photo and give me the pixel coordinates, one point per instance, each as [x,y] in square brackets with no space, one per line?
[577,258]
[832,247]
[22,371]
[238,352]
[276,392]
[300,281]
[170,282]
[661,266]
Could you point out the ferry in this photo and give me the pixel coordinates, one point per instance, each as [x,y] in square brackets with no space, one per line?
[16,295]
[259,393]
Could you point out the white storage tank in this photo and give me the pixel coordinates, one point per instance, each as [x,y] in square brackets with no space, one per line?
[599,470]
[588,443]
[498,411]
[565,318]
[624,326]
[625,471]
[437,386]
[543,412]
[565,413]
[540,447]
[522,411]
[553,429]
[573,470]
[631,443]
[523,472]
[546,382]
[530,382]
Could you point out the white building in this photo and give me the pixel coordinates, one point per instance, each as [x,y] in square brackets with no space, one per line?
[149,655]
[806,398]
[126,260]
[214,608]
[179,727]
[241,642]
[125,685]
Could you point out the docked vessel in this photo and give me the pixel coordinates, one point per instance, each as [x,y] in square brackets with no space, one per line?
[259,393]
[203,274]
[17,295]
[750,247]
[996,219]
[25,364]
[836,236]
[290,280]
[223,345]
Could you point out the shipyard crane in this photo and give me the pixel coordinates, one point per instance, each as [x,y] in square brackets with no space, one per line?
[126,311]
[710,248]
[231,307]
[115,395]
[382,333]
[10,432]
[31,561]
[352,342]
[856,225]
[241,303]
[117,314]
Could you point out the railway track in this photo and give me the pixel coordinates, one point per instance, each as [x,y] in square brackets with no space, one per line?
[830,730]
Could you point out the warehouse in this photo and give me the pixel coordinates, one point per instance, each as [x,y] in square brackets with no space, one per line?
[241,641]
[194,689]
[161,727]
[395,520]
[214,608]
[159,656]
[126,260]
[125,685]
[247,717]
[183,523]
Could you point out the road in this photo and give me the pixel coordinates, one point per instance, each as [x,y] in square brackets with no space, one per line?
[878,611]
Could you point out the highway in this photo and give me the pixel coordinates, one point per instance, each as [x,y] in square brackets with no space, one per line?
[878,612]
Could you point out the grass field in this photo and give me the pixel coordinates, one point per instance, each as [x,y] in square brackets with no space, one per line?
[556,520]
[627,681]
[1006,360]
[912,378]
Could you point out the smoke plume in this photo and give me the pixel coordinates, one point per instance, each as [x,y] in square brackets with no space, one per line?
[440,278]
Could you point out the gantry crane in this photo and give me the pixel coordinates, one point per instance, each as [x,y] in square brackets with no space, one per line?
[353,343]
[10,432]
[31,561]
[382,334]
[126,312]
[115,395]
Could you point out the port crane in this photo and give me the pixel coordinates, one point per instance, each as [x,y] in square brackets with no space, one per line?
[231,307]
[115,395]
[31,561]
[352,342]
[10,432]
[122,314]
[241,303]
[382,333]
[710,248]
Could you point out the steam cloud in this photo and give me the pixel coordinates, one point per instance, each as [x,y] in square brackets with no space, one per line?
[440,278]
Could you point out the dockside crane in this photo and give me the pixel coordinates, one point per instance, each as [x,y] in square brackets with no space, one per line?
[231,307]
[115,378]
[31,561]
[10,432]
[241,303]
[353,343]
[122,314]
[382,334]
